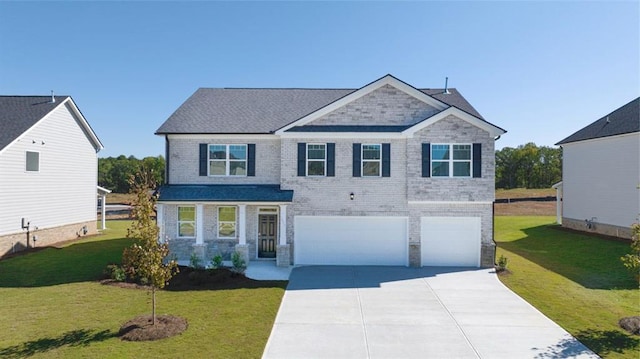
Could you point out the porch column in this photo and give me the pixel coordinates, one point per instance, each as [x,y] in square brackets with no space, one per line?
[199,224]
[104,211]
[283,225]
[160,222]
[242,224]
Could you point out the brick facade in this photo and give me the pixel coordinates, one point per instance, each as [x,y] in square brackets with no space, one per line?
[405,193]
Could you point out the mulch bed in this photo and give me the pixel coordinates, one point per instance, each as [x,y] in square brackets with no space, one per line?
[630,324]
[141,328]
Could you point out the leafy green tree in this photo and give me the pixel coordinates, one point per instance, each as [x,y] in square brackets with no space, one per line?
[114,172]
[145,259]
[528,166]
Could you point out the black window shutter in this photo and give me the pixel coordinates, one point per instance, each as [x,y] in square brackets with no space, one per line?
[251,159]
[204,158]
[302,159]
[477,160]
[386,160]
[356,159]
[426,160]
[331,159]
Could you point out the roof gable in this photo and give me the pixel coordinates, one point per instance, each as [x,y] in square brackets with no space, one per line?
[20,113]
[387,80]
[623,120]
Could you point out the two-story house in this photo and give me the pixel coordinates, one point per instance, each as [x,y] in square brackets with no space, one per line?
[48,172]
[387,174]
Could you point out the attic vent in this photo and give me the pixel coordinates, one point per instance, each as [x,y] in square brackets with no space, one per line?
[446,86]
[53,98]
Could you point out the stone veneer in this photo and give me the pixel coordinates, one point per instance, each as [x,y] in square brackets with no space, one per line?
[599,228]
[47,236]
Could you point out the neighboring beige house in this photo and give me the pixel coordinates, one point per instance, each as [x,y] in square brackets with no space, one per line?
[600,186]
[387,174]
[48,172]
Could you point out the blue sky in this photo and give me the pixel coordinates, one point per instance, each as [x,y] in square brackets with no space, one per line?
[540,70]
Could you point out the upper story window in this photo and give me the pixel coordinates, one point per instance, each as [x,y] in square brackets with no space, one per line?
[186,221]
[449,160]
[371,160]
[227,160]
[32,161]
[316,159]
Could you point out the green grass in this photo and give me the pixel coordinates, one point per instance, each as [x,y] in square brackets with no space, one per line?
[53,307]
[525,192]
[576,280]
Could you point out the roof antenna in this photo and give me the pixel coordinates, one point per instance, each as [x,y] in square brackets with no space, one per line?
[446,86]
[53,99]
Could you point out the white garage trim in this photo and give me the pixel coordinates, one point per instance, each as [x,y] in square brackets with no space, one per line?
[450,241]
[351,240]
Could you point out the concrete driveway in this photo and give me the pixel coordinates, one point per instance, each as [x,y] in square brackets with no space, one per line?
[397,312]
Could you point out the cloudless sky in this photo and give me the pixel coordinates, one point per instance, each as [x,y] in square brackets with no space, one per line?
[540,70]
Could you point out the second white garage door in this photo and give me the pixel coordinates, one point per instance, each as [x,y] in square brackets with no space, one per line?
[350,240]
[450,241]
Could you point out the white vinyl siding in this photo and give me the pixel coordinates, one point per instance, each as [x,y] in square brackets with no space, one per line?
[600,180]
[64,190]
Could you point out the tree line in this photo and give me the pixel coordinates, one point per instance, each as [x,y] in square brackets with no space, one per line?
[114,172]
[528,166]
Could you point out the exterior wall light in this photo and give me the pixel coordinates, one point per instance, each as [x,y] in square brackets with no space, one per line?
[352,196]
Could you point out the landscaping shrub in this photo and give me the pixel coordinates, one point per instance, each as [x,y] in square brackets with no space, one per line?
[632,260]
[115,272]
[239,265]
[216,262]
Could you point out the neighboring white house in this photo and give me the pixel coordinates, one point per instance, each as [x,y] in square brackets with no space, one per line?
[601,174]
[48,172]
[386,174]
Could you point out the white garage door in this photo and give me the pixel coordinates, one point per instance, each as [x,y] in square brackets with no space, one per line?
[450,241]
[350,240]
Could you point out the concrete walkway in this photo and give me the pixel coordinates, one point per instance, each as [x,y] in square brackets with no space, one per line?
[397,312]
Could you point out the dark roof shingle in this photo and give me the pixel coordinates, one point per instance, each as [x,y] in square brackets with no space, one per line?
[225,193]
[263,111]
[19,113]
[625,119]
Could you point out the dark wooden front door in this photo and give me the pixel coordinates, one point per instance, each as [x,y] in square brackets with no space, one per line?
[267,235]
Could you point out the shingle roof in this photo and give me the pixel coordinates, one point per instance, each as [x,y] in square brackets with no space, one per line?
[19,113]
[625,119]
[225,193]
[263,111]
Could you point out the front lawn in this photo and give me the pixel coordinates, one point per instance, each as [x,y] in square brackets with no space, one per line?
[576,280]
[53,307]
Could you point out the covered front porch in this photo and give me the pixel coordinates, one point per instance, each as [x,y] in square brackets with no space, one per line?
[201,222]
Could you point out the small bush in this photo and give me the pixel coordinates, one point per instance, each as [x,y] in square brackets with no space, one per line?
[502,263]
[239,265]
[216,262]
[115,272]
[632,260]
[195,262]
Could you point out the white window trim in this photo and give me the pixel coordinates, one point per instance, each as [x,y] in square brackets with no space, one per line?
[25,161]
[362,159]
[219,222]
[179,222]
[227,159]
[324,160]
[451,161]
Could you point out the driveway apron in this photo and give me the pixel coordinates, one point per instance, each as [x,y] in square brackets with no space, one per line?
[399,312]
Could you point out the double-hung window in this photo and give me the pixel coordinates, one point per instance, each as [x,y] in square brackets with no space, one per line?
[227,160]
[186,221]
[226,222]
[371,160]
[451,160]
[316,159]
